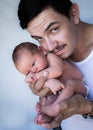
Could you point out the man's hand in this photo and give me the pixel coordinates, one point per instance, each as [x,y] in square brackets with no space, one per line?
[37,88]
[30,78]
[75,105]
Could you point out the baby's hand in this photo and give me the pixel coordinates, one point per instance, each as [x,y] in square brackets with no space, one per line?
[30,78]
[55,85]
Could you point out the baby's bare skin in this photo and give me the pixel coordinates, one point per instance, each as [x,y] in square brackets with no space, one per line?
[49,106]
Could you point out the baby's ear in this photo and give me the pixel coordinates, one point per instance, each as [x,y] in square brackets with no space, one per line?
[41,50]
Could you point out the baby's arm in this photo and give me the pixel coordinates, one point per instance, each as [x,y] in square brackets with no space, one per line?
[71,87]
[55,66]
[54,69]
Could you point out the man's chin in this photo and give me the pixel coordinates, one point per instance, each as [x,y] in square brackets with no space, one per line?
[63,57]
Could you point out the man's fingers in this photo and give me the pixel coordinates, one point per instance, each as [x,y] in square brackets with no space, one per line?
[40,92]
[55,122]
[43,92]
[40,83]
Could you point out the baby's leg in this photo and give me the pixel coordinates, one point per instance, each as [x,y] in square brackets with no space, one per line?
[52,109]
[42,117]
[45,101]
[49,107]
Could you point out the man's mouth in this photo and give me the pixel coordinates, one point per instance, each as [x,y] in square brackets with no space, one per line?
[59,50]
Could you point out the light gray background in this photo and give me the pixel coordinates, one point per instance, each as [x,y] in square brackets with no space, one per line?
[17,103]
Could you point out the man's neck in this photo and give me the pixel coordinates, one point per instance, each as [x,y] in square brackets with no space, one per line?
[84,42]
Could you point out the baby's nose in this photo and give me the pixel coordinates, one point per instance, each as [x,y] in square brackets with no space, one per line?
[34,70]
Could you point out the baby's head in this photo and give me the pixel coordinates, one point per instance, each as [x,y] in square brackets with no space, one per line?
[29,57]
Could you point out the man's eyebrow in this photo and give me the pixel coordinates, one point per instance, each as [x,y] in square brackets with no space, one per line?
[35,37]
[50,25]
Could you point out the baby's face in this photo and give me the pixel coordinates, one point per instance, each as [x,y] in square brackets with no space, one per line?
[31,63]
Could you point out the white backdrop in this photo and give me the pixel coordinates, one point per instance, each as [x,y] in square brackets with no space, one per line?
[17,103]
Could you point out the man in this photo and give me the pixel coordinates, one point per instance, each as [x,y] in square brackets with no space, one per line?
[58,28]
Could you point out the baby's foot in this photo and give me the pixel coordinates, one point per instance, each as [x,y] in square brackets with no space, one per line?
[51,110]
[38,107]
[42,118]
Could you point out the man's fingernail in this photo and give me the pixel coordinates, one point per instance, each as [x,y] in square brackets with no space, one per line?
[45,74]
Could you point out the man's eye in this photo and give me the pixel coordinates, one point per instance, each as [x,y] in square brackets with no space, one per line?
[54,30]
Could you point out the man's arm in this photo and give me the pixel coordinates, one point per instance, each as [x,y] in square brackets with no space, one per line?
[37,88]
[75,105]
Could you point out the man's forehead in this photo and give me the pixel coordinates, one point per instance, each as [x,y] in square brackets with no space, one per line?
[42,21]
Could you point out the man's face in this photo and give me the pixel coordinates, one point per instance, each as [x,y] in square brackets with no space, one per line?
[55,32]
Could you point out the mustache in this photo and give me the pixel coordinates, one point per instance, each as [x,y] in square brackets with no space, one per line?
[58,48]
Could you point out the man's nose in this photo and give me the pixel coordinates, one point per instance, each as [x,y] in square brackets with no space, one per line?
[51,45]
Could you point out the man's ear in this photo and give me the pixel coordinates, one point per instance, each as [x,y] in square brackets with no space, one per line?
[41,50]
[74,13]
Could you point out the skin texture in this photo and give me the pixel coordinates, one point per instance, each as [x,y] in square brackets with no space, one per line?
[60,79]
[67,110]
[67,38]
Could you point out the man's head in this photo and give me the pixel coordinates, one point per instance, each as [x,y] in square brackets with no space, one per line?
[29,9]
[55,24]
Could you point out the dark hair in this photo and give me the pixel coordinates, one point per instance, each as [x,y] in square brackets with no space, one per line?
[20,48]
[29,9]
